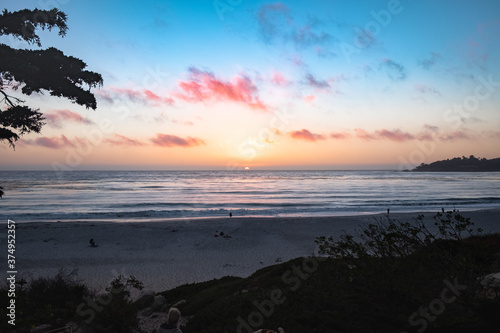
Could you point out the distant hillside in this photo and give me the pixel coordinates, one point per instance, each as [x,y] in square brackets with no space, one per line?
[463,164]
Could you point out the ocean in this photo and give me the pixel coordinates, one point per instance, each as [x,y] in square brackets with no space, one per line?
[33,196]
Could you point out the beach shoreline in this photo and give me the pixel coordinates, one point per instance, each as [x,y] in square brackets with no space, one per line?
[167,253]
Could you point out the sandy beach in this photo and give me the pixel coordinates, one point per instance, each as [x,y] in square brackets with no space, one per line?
[166,254]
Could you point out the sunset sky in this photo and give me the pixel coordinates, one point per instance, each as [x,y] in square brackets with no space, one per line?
[271,85]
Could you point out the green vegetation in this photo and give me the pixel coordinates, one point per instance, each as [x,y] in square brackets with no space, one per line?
[390,276]
[470,164]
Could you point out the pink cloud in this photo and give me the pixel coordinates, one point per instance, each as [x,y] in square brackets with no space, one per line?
[306,135]
[55,118]
[55,142]
[310,98]
[457,135]
[104,95]
[362,134]
[203,86]
[396,135]
[279,80]
[340,136]
[165,140]
[425,137]
[131,94]
[121,140]
[151,96]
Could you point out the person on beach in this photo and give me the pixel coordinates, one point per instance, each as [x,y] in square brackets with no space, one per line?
[92,243]
[171,325]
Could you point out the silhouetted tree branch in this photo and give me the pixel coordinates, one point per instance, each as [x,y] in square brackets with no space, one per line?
[38,71]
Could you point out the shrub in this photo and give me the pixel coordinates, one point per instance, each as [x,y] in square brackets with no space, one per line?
[392,238]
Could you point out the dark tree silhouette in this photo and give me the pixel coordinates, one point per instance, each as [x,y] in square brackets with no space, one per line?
[462,164]
[39,71]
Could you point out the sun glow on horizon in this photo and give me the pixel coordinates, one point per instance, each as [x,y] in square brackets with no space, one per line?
[290,86]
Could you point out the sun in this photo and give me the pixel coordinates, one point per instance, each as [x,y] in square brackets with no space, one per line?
[247,168]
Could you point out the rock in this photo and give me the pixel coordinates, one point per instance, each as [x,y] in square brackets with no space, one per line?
[147,297]
[158,302]
[491,286]
[491,280]
[147,312]
[176,305]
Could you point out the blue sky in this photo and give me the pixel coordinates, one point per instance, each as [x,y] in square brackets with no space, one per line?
[204,84]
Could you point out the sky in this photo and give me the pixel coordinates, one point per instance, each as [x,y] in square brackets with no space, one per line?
[228,84]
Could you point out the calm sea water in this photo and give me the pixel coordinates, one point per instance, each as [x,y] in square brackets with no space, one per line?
[84,195]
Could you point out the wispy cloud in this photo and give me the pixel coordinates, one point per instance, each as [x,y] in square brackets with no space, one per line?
[165,140]
[431,128]
[395,71]
[425,136]
[430,61]
[363,134]
[305,37]
[384,134]
[279,79]
[56,118]
[396,135]
[203,86]
[268,17]
[297,60]
[306,135]
[55,142]
[309,98]
[156,99]
[425,89]
[276,24]
[454,136]
[339,135]
[311,81]
[121,140]
[364,38]
[162,117]
[113,95]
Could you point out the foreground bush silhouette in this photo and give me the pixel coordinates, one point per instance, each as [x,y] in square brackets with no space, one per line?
[372,288]
[370,282]
[62,300]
